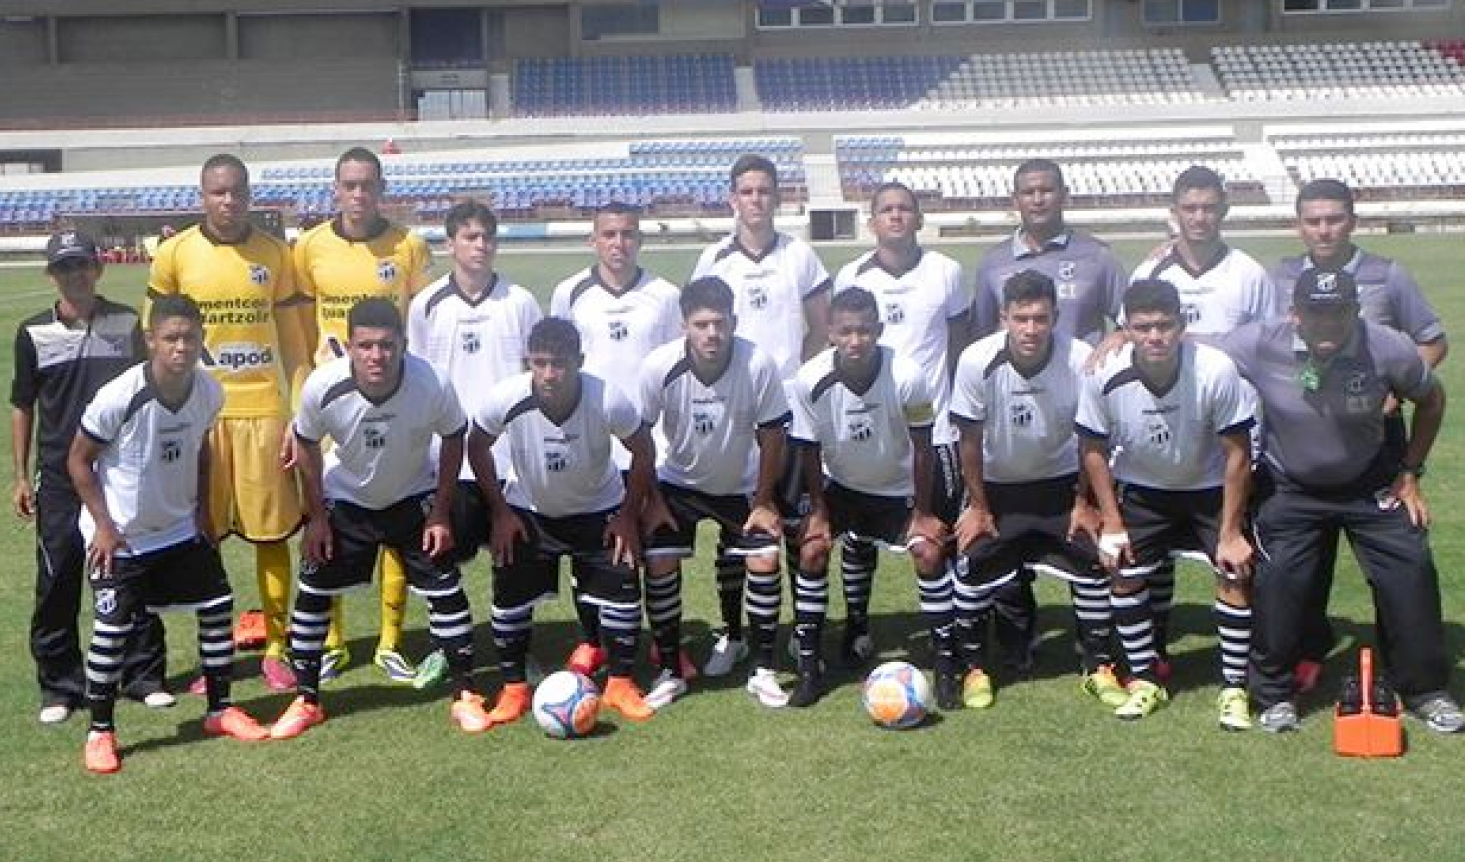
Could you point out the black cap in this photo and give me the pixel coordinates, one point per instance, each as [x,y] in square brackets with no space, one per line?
[1321,288]
[70,244]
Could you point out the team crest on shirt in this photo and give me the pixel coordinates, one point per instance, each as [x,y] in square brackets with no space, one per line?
[374,438]
[704,422]
[106,601]
[859,428]
[471,342]
[259,274]
[1067,287]
[1191,312]
[758,296]
[1022,414]
[172,451]
[1355,390]
[386,271]
[619,331]
[894,313]
[1158,434]
[117,343]
[555,461]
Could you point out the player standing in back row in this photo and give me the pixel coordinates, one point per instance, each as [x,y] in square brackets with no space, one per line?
[357,255]
[781,293]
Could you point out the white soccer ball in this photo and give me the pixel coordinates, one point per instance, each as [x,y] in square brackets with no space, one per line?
[566,704]
[896,695]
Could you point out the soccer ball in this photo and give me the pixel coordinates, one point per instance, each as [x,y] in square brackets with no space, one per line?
[896,695]
[566,704]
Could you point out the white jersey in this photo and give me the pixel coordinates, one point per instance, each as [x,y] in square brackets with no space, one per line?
[1168,440]
[1228,292]
[383,448]
[618,330]
[864,437]
[148,469]
[916,305]
[473,343]
[711,426]
[769,289]
[1027,420]
[566,469]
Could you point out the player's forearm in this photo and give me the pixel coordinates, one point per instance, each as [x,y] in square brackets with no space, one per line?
[771,443]
[1237,487]
[922,460]
[485,472]
[1095,459]
[449,465]
[972,465]
[79,464]
[22,430]
[311,467]
[811,468]
[642,473]
[1424,426]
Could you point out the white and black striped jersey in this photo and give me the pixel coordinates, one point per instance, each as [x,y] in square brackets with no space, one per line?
[618,330]
[1168,439]
[710,426]
[864,437]
[383,447]
[1027,420]
[566,469]
[148,468]
[1229,291]
[473,343]
[769,288]
[915,306]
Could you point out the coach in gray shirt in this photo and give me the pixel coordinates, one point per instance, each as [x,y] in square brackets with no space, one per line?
[1387,295]
[1323,377]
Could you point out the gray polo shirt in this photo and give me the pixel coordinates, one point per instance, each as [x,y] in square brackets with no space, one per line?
[1387,293]
[1090,281]
[1329,437]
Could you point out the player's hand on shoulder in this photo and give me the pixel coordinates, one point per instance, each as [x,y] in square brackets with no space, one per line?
[1108,346]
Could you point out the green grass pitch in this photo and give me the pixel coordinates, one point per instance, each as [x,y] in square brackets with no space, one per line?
[1045,775]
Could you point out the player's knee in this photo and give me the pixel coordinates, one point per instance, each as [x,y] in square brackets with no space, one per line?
[814,555]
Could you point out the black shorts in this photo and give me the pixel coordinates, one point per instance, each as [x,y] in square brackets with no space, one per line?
[1032,521]
[872,517]
[469,521]
[1161,522]
[534,575]
[359,534]
[186,576]
[689,507]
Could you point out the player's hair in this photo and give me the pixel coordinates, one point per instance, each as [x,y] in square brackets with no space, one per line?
[1039,166]
[554,336]
[618,208]
[708,293]
[893,186]
[364,156]
[750,162]
[1197,177]
[1151,296]
[224,160]
[171,305]
[1326,189]
[855,300]
[462,212]
[1029,286]
[376,312]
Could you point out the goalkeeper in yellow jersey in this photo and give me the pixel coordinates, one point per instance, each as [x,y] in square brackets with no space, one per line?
[354,256]
[256,341]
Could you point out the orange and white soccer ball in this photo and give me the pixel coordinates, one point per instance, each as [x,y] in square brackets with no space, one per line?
[896,695]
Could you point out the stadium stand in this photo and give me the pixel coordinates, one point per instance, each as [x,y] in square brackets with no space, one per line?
[1132,168]
[1081,78]
[1338,70]
[849,83]
[608,86]
[1379,165]
[665,177]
